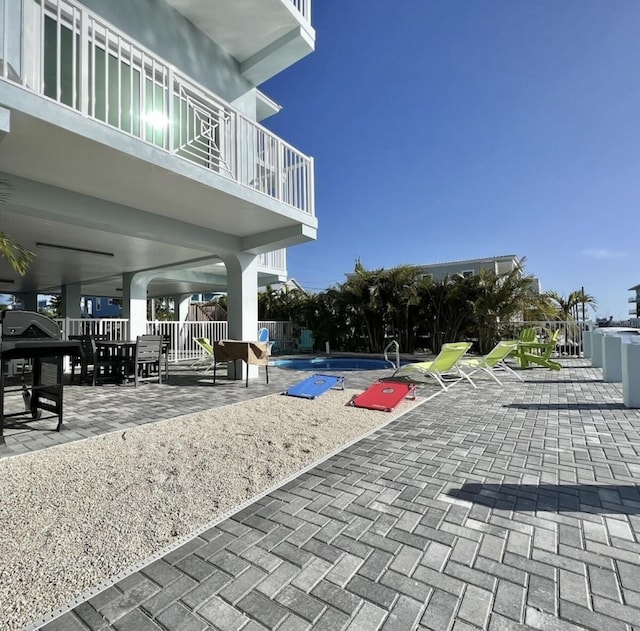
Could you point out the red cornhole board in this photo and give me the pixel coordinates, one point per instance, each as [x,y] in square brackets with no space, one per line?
[384,395]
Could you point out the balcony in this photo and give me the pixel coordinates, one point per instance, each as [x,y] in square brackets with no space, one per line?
[264,36]
[71,56]
[634,299]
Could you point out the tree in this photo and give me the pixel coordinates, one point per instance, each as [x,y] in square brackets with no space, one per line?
[500,298]
[17,255]
[567,308]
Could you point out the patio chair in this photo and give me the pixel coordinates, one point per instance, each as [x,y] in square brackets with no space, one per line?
[207,362]
[263,336]
[306,341]
[444,368]
[145,363]
[539,353]
[491,362]
[91,364]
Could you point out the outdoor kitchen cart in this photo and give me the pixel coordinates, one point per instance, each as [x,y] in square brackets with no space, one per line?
[30,336]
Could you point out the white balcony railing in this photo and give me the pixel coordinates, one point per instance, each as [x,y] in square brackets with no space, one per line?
[304,6]
[276,260]
[634,299]
[62,51]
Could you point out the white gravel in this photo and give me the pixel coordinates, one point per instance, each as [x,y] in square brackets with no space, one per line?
[74,515]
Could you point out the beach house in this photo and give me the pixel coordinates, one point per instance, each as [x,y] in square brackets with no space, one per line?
[132,158]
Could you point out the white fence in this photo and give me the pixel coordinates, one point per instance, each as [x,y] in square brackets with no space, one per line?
[569,340]
[180,334]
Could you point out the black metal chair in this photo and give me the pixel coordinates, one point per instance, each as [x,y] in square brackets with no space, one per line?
[91,363]
[78,362]
[145,363]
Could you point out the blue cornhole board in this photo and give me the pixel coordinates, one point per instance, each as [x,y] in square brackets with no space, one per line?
[312,387]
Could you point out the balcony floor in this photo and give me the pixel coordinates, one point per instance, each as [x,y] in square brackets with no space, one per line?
[498,508]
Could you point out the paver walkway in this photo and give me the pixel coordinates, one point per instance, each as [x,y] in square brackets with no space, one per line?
[498,508]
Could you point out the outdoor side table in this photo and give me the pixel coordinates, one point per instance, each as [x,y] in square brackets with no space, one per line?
[256,353]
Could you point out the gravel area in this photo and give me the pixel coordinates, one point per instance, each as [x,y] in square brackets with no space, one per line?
[74,515]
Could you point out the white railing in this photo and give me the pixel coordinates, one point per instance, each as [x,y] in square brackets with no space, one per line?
[110,328]
[304,6]
[180,334]
[61,50]
[276,260]
[570,337]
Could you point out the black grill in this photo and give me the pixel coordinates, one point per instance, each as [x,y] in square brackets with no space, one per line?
[31,336]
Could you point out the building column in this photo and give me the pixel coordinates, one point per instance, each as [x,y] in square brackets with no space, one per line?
[242,305]
[134,302]
[181,307]
[28,300]
[71,296]
[180,314]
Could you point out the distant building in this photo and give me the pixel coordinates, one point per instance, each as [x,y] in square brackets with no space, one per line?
[471,267]
[634,312]
[100,307]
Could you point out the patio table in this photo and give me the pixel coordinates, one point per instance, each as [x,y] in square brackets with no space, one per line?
[256,353]
[123,350]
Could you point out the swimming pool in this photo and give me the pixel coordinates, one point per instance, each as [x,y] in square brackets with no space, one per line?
[333,363]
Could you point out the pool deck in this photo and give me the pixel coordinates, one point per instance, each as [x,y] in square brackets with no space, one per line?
[499,509]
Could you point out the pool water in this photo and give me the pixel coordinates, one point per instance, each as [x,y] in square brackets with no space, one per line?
[333,363]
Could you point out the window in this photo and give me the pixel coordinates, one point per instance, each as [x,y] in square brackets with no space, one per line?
[426,276]
[467,272]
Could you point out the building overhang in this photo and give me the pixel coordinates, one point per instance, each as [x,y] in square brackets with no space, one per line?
[264,36]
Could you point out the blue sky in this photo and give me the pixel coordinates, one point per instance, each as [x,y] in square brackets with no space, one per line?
[459,129]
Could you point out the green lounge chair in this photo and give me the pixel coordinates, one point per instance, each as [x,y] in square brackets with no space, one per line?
[539,353]
[444,368]
[491,362]
[207,362]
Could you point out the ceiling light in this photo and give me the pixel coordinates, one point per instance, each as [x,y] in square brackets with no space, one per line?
[68,248]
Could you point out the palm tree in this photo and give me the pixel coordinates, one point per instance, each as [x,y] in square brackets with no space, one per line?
[17,255]
[499,299]
[563,305]
[587,301]
[567,308]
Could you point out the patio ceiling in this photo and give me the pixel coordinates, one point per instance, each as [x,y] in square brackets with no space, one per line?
[108,193]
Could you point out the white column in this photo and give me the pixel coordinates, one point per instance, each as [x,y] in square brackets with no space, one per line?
[611,358]
[596,349]
[587,338]
[181,307]
[242,304]
[631,374]
[180,314]
[71,295]
[134,302]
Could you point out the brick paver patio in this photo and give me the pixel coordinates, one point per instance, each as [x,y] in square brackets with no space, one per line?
[498,508]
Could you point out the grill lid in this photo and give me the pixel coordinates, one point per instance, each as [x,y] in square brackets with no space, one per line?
[28,325]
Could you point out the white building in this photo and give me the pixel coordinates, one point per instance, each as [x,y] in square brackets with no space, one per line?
[130,140]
